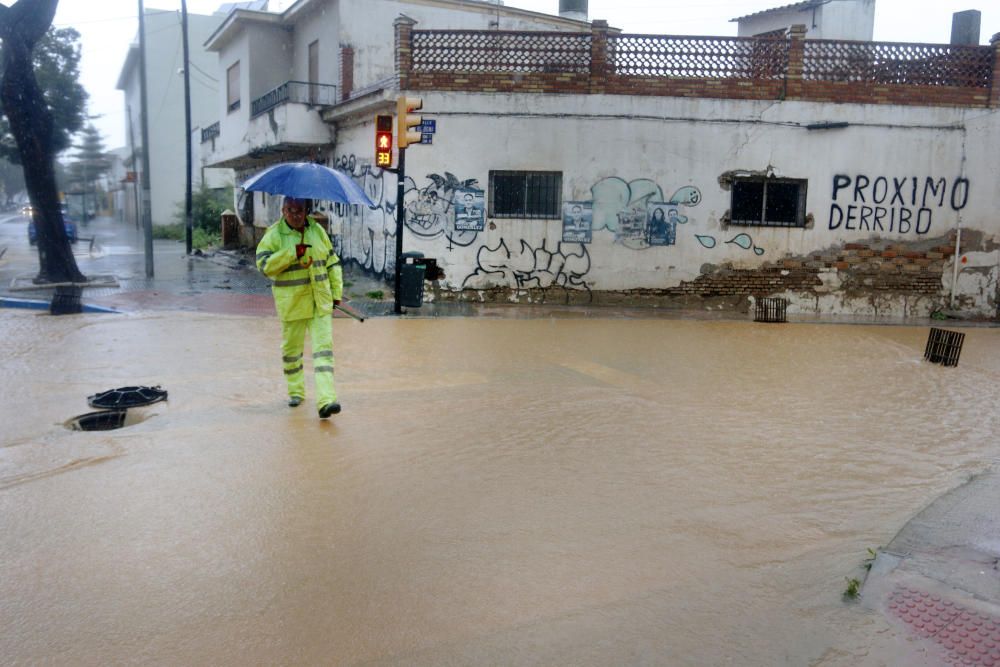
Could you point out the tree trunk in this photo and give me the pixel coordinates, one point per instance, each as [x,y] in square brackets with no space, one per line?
[21,26]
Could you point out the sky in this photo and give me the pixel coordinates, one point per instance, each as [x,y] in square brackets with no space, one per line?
[108,27]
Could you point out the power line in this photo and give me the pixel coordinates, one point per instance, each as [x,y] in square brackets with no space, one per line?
[207,75]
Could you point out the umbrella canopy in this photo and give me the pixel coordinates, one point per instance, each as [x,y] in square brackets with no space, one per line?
[307,180]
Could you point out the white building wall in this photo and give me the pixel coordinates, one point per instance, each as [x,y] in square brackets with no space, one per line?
[838,19]
[165,98]
[846,19]
[269,60]
[233,124]
[368,27]
[621,153]
[321,24]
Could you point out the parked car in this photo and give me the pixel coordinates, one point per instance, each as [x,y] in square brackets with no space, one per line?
[69,223]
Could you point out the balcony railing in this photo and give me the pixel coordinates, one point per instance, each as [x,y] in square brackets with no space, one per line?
[210,132]
[786,67]
[302,92]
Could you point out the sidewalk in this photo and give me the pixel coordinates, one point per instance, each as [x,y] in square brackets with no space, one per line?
[939,580]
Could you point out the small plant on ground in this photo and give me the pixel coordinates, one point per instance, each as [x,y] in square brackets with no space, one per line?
[853,588]
[871,558]
[377,295]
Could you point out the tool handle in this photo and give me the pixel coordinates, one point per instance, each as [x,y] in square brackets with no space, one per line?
[350,313]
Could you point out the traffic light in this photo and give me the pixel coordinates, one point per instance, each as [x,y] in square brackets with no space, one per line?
[383,140]
[407,123]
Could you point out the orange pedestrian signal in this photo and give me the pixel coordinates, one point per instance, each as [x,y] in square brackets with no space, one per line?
[383,140]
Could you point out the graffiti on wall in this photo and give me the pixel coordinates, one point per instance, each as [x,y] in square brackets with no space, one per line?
[368,235]
[893,204]
[742,240]
[431,210]
[446,207]
[521,266]
[638,213]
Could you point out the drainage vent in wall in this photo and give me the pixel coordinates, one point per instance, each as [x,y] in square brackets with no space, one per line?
[770,310]
[106,420]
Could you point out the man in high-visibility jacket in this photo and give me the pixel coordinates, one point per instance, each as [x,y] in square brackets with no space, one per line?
[296,254]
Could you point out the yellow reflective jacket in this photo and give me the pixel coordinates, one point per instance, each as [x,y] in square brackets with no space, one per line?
[301,291]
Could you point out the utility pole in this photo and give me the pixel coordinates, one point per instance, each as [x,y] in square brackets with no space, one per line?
[147,211]
[400,218]
[189,223]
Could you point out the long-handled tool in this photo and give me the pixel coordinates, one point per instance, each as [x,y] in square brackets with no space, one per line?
[342,309]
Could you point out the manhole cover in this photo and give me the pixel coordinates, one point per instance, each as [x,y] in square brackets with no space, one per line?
[127,397]
[106,420]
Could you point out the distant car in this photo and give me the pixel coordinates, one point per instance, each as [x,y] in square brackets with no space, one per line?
[69,223]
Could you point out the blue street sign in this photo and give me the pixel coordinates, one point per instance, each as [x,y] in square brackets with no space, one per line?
[426,138]
[428,126]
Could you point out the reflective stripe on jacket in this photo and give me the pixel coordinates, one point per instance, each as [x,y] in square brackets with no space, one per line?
[300,292]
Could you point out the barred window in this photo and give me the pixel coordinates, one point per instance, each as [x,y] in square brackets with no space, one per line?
[526,194]
[769,202]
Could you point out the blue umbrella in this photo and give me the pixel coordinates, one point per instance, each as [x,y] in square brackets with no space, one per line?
[307,180]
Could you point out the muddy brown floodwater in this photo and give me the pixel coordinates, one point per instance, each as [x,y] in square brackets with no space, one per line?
[546,491]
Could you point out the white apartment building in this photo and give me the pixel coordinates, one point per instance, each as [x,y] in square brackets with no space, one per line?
[166,112]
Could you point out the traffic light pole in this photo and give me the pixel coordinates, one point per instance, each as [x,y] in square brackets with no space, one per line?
[405,135]
[400,213]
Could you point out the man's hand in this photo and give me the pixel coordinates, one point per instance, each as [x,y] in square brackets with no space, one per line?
[336,302]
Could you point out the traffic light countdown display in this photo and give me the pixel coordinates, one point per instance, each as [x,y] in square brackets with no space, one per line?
[383,140]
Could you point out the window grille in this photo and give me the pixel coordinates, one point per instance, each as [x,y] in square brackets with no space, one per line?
[768,202]
[525,194]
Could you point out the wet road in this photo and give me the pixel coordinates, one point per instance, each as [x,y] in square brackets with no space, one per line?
[547,491]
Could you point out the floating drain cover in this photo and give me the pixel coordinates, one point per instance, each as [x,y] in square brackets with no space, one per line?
[127,397]
[106,420]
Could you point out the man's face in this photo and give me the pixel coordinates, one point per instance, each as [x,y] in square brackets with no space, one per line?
[295,214]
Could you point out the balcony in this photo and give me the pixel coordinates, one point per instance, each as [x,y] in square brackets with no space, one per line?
[302,92]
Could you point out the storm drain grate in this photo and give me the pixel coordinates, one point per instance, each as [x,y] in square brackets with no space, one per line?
[944,347]
[127,397]
[770,310]
[106,420]
[66,301]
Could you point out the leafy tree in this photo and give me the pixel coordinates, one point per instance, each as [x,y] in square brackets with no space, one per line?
[56,60]
[91,164]
[207,206]
[32,124]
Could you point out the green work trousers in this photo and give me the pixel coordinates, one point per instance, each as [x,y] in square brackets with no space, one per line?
[293,339]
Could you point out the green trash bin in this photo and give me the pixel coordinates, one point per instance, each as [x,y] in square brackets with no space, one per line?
[411,279]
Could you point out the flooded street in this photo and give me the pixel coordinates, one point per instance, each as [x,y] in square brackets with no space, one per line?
[496,491]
